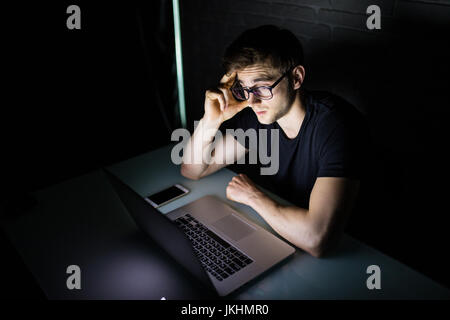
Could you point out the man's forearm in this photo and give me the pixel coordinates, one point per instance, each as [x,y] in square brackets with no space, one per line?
[199,148]
[290,222]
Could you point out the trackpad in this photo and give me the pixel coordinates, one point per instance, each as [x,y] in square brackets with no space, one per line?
[233,227]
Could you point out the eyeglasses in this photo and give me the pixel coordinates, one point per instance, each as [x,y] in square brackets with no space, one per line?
[264,92]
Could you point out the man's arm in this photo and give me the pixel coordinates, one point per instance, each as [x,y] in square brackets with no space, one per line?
[201,157]
[226,150]
[312,230]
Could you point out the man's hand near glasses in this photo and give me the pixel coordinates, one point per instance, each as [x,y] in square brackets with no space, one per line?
[220,105]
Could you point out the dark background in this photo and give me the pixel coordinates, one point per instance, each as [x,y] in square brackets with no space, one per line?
[78,100]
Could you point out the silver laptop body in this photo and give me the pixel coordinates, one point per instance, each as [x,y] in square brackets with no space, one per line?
[249,249]
[209,238]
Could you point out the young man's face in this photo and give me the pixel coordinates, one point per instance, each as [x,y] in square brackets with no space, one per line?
[267,111]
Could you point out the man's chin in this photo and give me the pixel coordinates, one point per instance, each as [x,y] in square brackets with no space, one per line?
[263,120]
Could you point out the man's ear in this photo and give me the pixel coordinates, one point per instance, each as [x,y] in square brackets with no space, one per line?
[298,76]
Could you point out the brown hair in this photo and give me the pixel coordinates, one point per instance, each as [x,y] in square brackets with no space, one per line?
[264,44]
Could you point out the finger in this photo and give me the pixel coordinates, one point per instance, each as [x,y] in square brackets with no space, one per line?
[217,95]
[227,81]
[222,102]
[244,177]
[225,95]
[237,180]
[212,93]
[229,77]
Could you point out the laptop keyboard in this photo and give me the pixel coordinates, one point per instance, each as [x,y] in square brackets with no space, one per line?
[217,256]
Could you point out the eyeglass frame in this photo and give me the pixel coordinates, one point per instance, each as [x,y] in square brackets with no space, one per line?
[251,90]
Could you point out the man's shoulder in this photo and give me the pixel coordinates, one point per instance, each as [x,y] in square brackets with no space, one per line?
[327,102]
[326,106]
[331,115]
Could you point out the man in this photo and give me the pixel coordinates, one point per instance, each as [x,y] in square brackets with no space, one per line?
[318,153]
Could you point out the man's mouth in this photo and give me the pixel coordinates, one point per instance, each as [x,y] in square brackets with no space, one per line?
[259,113]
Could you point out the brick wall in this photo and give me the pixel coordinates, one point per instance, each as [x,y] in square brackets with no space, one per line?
[397,75]
[337,44]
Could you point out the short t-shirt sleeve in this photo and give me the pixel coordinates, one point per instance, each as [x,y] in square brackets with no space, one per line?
[341,152]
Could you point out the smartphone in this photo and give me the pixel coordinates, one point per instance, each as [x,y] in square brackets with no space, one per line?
[165,196]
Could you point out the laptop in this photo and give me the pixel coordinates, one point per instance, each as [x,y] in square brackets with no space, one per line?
[207,237]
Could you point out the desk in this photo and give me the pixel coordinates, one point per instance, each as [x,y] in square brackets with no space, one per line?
[77,219]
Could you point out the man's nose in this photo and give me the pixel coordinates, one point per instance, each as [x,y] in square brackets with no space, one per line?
[253,100]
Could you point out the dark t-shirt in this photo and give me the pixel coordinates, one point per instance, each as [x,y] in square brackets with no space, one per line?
[331,143]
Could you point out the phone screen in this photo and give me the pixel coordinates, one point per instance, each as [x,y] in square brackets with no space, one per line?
[165,195]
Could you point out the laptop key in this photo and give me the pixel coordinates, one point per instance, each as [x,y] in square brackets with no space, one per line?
[234,266]
[229,270]
[218,239]
[243,259]
[182,220]
[239,262]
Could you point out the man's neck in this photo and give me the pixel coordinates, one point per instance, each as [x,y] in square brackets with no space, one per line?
[292,121]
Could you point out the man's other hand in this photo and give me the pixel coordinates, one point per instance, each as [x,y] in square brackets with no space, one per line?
[242,189]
